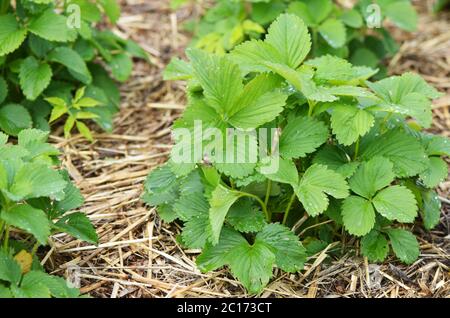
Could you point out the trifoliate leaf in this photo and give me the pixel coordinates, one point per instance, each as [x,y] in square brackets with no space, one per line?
[29,219]
[34,77]
[404,244]
[79,226]
[285,170]
[52,27]
[316,183]
[10,270]
[349,123]
[35,180]
[252,265]
[73,61]
[404,151]
[302,136]
[436,172]
[333,31]
[14,118]
[219,77]
[358,215]
[396,203]
[11,35]
[245,217]
[336,159]
[289,252]
[292,46]
[374,246]
[221,201]
[216,256]
[431,209]
[372,176]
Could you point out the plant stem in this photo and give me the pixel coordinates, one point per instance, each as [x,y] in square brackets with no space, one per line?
[288,209]
[268,191]
[263,206]
[356,148]
[6,240]
[311,108]
[35,248]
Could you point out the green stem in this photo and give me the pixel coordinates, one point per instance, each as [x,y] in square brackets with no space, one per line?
[268,191]
[35,248]
[263,206]
[311,108]
[288,209]
[6,240]
[357,148]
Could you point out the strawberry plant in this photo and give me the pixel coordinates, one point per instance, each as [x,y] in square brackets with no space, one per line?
[36,201]
[274,149]
[355,33]
[50,49]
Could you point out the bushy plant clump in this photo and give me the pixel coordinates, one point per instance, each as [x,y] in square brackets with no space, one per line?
[36,200]
[50,52]
[354,33]
[352,157]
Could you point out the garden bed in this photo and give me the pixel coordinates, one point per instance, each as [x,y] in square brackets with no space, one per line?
[139,256]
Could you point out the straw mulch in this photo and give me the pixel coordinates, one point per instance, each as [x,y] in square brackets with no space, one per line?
[138,255]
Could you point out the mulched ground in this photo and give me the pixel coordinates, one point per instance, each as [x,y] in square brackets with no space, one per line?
[138,255]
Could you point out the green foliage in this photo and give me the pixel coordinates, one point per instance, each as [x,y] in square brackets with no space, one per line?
[52,49]
[37,199]
[348,152]
[344,32]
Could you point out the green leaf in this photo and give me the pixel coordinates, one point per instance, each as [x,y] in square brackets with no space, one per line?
[221,201]
[375,246]
[32,286]
[194,234]
[396,203]
[121,67]
[5,292]
[10,270]
[89,11]
[336,159]
[73,199]
[333,31]
[11,35]
[358,215]
[219,78]
[79,226]
[161,186]
[289,252]
[262,110]
[315,184]
[436,172]
[404,151]
[350,122]
[252,265]
[216,256]
[34,77]
[431,210]
[352,18]
[35,180]
[404,244]
[85,131]
[29,219]
[403,14]
[14,118]
[245,217]
[73,61]
[290,38]
[112,9]
[178,70]
[436,145]
[302,136]
[52,27]
[286,173]
[372,176]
